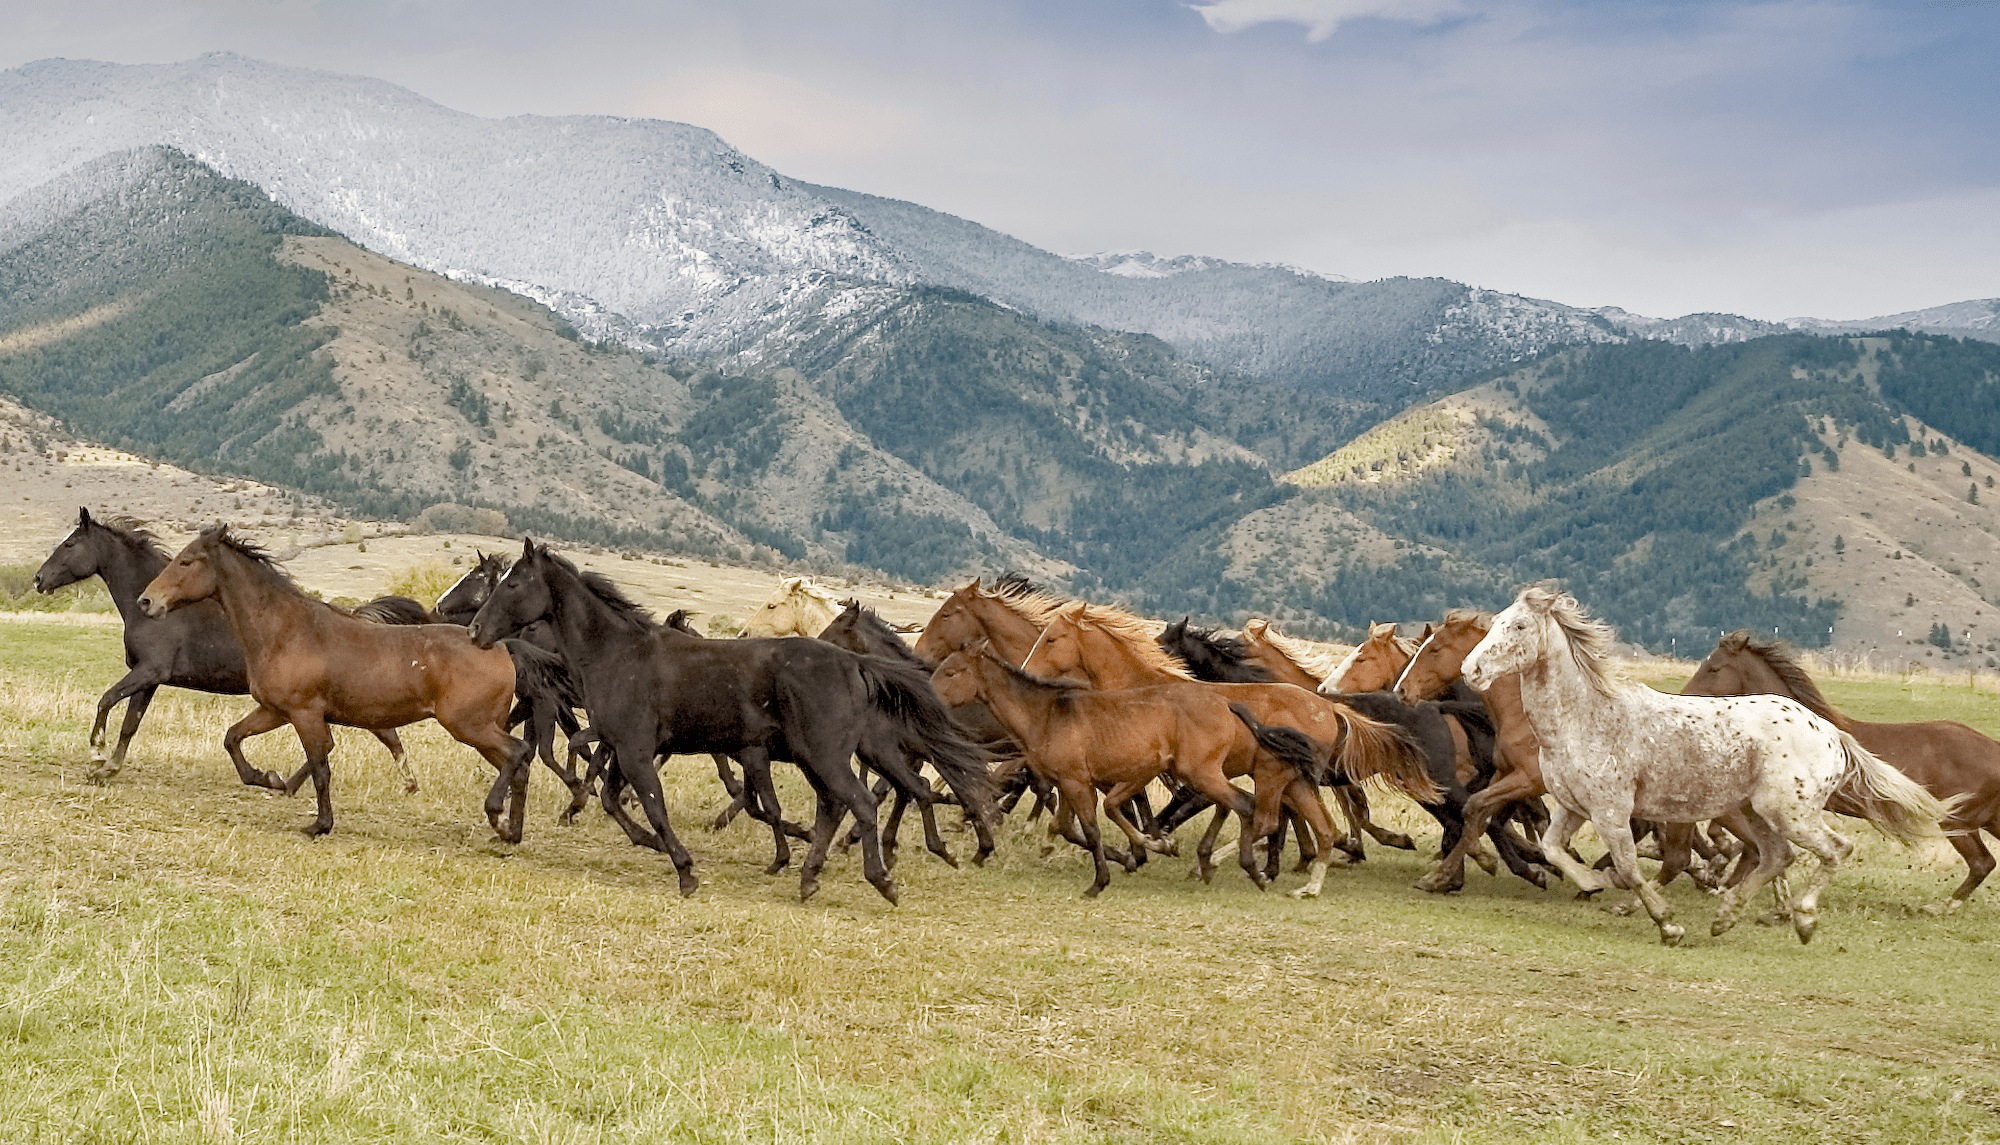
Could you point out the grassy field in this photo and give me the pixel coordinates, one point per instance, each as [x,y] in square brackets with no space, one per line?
[179,964]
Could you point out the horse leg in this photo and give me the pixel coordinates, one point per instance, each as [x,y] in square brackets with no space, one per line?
[1079,800]
[1204,851]
[1772,854]
[1449,874]
[394,743]
[635,767]
[1614,826]
[140,699]
[612,797]
[1978,864]
[317,739]
[739,795]
[255,724]
[1563,823]
[1314,819]
[1358,797]
[1832,849]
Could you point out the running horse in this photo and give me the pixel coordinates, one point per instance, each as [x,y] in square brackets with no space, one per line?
[1946,757]
[1612,750]
[188,648]
[1113,650]
[311,665]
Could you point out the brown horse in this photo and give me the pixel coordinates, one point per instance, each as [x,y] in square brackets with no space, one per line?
[1944,756]
[311,665]
[1082,739]
[1111,650]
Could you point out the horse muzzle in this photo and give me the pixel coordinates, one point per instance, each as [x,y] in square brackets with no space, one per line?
[152,608]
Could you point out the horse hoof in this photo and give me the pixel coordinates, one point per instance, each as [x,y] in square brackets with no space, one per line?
[1773,918]
[1304,893]
[409,787]
[1400,842]
[888,890]
[1944,909]
[1431,884]
[689,884]
[1621,909]
[1803,925]
[1671,935]
[1720,927]
[777,865]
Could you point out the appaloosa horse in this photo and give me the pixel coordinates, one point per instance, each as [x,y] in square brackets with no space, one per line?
[1612,750]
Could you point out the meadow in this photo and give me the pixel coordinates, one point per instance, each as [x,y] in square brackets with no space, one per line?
[178,963]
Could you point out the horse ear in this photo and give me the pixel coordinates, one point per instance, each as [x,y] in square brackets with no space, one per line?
[974,586]
[82,515]
[1428,630]
[527,547]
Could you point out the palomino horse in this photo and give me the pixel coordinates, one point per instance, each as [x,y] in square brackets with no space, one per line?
[1612,750]
[800,607]
[654,690]
[188,648]
[1948,758]
[310,665]
[1114,650]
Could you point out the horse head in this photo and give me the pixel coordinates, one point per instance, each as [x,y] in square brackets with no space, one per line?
[520,598]
[73,560]
[1440,659]
[462,600]
[190,576]
[1373,665]
[1734,669]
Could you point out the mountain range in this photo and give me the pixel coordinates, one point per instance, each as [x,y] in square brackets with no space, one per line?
[628,331]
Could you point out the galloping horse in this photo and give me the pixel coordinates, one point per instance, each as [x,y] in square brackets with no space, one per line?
[1112,650]
[1948,758]
[654,690]
[800,607]
[1611,750]
[310,665]
[189,648]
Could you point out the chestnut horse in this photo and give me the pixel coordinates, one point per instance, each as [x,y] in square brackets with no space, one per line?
[1946,757]
[1081,739]
[311,665]
[1113,650]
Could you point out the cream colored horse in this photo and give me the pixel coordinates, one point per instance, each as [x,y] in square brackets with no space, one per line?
[800,607]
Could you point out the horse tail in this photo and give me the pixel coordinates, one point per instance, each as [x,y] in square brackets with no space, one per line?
[904,693]
[1293,747]
[542,675]
[1897,805]
[1387,753]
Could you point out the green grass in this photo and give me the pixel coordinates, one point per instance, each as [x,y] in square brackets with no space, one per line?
[179,963]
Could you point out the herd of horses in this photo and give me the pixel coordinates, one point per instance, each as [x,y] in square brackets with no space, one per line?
[1510,730]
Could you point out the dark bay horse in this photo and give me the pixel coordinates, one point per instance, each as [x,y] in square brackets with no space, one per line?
[652,690]
[311,665]
[188,648]
[1946,757]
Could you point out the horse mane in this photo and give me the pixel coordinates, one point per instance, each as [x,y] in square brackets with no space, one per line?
[1782,658]
[812,589]
[1311,659]
[880,633]
[1589,639]
[604,589]
[1134,632]
[1029,601]
[251,551]
[1475,617]
[133,534]
[1067,687]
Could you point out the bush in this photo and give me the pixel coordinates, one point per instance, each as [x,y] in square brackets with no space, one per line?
[424,583]
[451,517]
[17,593]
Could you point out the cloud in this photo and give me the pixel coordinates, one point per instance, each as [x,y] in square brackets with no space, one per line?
[1321,17]
[775,116]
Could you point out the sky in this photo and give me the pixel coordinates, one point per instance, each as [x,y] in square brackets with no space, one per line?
[1796,158]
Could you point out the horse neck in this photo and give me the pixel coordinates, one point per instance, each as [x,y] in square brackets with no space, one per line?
[1556,695]
[1282,667]
[263,611]
[1022,706]
[1012,635]
[1767,679]
[586,625]
[1112,664]
[126,571]
[1447,661]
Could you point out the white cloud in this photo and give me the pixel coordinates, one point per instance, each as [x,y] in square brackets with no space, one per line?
[1321,18]
[774,116]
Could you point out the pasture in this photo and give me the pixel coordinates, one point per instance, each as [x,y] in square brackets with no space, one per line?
[178,963]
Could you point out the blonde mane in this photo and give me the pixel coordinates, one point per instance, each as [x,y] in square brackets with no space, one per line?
[1589,639]
[1136,633]
[1037,606]
[1314,660]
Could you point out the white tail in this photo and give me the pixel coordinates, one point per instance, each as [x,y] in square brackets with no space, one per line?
[1892,801]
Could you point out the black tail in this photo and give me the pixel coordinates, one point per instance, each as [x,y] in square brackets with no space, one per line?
[1292,746]
[542,675]
[904,693]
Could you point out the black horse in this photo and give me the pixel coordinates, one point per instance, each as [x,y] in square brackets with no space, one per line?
[653,690]
[190,647]
[862,630]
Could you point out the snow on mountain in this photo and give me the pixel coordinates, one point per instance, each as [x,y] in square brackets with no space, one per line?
[1977,318]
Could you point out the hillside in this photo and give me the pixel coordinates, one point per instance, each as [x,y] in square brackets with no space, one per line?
[1777,484]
